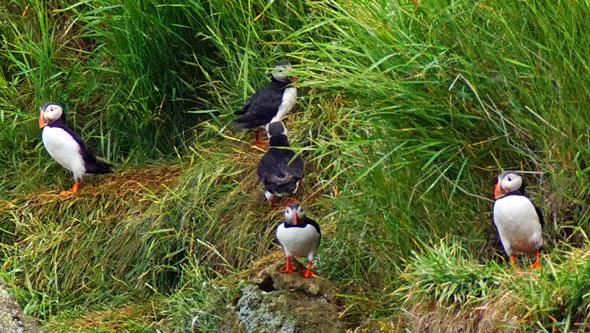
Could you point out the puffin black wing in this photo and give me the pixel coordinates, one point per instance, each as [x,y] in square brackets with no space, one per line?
[315,225]
[246,106]
[540,214]
[92,164]
[261,107]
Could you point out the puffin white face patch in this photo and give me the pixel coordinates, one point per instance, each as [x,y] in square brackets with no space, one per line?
[291,211]
[52,112]
[280,72]
[300,212]
[288,214]
[511,182]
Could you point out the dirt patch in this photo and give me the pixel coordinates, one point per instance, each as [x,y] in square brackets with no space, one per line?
[129,185]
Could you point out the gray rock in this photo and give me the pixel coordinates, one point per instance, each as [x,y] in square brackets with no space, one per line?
[12,319]
[257,312]
[285,303]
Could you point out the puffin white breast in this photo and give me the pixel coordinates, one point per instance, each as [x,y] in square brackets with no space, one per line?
[287,103]
[518,224]
[298,241]
[64,149]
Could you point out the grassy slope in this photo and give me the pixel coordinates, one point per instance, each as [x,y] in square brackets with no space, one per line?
[405,116]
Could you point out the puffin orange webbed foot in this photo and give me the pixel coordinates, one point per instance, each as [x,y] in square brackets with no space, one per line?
[73,190]
[536,264]
[308,273]
[288,268]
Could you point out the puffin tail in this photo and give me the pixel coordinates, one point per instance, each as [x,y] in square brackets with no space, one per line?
[99,166]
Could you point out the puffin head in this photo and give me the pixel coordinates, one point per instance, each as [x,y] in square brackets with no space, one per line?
[508,182]
[281,70]
[275,128]
[294,214]
[49,113]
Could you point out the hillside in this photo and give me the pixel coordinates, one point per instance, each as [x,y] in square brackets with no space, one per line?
[406,113]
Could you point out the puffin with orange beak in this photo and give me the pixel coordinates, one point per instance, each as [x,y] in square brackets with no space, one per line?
[519,221]
[300,237]
[66,147]
[271,103]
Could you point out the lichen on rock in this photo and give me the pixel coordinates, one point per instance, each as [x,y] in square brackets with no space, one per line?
[289,303]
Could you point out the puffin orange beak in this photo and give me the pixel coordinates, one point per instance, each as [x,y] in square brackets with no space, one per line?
[295,219]
[42,121]
[497,191]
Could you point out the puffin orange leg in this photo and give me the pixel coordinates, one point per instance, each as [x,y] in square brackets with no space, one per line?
[308,273]
[73,190]
[259,143]
[288,267]
[513,262]
[536,264]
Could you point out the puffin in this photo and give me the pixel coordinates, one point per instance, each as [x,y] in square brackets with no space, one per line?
[271,103]
[300,237]
[279,170]
[66,147]
[518,220]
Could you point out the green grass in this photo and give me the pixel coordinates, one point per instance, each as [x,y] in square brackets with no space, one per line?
[405,116]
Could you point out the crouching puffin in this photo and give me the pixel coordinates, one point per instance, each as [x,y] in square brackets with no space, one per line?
[279,170]
[299,236]
[271,103]
[518,220]
[66,147]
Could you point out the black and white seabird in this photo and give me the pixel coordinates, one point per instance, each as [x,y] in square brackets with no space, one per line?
[279,169]
[66,147]
[519,221]
[271,103]
[300,237]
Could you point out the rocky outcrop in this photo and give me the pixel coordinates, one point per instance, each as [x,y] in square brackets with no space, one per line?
[275,302]
[12,318]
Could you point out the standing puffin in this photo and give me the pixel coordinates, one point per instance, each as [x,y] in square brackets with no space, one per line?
[300,237]
[66,147]
[279,169]
[519,221]
[270,103]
